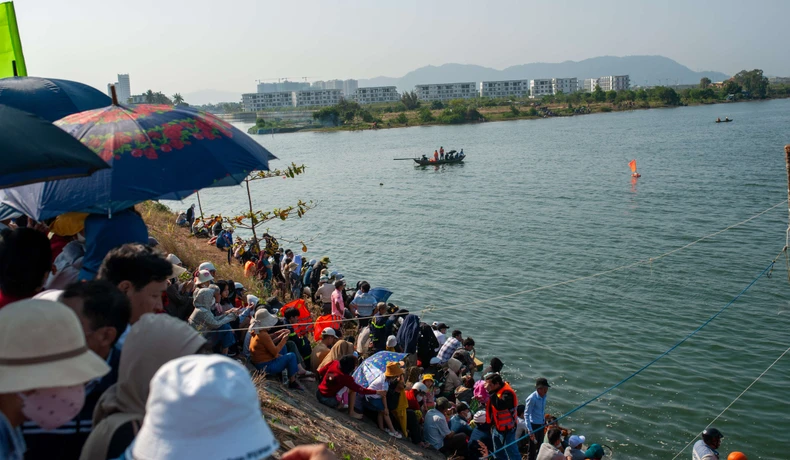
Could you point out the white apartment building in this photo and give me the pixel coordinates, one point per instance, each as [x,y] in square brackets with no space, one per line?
[446,91]
[137,99]
[608,83]
[377,94]
[350,87]
[566,85]
[253,102]
[505,88]
[539,88]
[123,90]
[316,98]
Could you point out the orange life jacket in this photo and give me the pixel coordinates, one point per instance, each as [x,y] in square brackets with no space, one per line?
[303,324]
[325,321]
[503,419]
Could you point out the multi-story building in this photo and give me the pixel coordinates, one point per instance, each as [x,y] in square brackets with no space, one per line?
[377,94]
[318,84]
[564,85]
[316,98]
[607,83]
[505,88]
[540,87]
[350,87]
[333,84]
[446,91]
[137,99]
[253,102]
[123,89]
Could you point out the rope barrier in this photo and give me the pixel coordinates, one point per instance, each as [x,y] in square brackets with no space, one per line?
[433,308]
[733,402]
[672,348]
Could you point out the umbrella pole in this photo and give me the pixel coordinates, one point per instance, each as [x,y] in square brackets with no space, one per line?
[13,65]
[114,95]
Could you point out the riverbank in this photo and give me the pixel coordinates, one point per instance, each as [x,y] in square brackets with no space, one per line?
[296,417]
[519,110]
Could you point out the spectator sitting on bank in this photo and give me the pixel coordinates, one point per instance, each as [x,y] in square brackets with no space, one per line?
[480,434]
[574,450]
[465,353]
[392,343]
[155,340]
[378,402]
[437,433]
[522,430]
[203,279]
[324,296]
[25,263]
[179,293]
[551,450]
[459,423]
[427,345]
[465,392]
[328,340]
[216,329]
[364,302]
[334,377]
[430,395]
[267,351]
[181,419]
[104,313]
[302,342]
[380,328]
[44,366]
[449,347]
[451,380]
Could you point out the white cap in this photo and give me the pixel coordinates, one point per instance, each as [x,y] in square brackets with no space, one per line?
[419,386]
[239,286]
[173,259]
[480,417]
[252,300]
[392,341]
[435,324]
[206,266]
[203,406]
[576,441]
[204,276]
[328,332]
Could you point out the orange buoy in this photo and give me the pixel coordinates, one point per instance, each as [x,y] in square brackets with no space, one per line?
[737,456]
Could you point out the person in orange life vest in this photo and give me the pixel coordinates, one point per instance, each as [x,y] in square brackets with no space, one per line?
[441,153]
[501,414]
[435,155]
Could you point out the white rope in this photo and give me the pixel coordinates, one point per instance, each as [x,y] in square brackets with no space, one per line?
[433,308]
[733,402]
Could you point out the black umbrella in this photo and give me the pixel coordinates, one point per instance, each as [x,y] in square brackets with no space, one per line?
[35,150]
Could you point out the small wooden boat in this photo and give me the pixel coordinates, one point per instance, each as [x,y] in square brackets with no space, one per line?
[726,120]
[430,162]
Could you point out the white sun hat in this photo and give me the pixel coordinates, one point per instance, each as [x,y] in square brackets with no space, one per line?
[42,345]
[206,266]
[203,406]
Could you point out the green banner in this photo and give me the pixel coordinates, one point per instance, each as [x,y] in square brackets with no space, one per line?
[10,44]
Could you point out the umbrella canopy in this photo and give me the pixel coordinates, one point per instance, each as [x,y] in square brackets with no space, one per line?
[49,98]
[381,294]
[373,367]
[35,150]
[156,151]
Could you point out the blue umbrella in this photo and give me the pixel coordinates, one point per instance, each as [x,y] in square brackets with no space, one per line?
[155,151]
[35,150]
[373,367]
[381,294]
[49,98]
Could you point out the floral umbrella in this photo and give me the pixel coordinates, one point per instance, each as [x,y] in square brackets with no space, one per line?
[374,366]
[155,151]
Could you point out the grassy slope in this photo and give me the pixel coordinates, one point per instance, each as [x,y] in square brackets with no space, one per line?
[295,417]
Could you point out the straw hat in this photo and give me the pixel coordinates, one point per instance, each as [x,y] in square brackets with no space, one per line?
[68,224]
[393,370]
[203,407]
[36,354]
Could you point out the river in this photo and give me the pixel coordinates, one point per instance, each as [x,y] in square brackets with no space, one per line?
[540,202]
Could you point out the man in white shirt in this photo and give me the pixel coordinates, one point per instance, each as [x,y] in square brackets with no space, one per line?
[705,448]
[324,293]
[440,331]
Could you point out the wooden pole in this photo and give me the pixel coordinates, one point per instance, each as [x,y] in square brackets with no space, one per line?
[200,206]
[787,166]
[252,222]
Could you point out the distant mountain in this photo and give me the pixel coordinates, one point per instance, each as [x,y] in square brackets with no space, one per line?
[641,68]
[211,96]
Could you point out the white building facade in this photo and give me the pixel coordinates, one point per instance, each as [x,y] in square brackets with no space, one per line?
[608,83]
[123,88]
[316,98]
[350,87]
[253,102]
[540,87]
[447,91]
[564,85]
[376,94]
[505,88]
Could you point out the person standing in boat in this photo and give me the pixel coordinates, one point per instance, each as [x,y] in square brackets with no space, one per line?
[435,155]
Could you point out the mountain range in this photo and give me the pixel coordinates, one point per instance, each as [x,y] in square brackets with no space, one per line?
[643,70]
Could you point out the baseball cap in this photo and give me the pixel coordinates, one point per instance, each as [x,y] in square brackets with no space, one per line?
[240,286]
[328,332]
[576,441]
[442,326]
[541,382]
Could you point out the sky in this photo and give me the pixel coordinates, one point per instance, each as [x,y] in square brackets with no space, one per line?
[187,46]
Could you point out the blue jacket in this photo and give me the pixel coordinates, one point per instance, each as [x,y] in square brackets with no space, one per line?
[409,334]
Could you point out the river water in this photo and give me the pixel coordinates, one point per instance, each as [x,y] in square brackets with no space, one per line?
[546,201]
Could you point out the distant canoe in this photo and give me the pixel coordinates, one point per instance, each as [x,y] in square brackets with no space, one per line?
[726,120]
[422,162]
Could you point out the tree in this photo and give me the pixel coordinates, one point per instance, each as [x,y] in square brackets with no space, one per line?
[752,81]
[611,96]
[402,119]
[410,100]
[425,115]
[437,105]
[598,94]
[731,87]
[177,99]
[328,115]
[704,82]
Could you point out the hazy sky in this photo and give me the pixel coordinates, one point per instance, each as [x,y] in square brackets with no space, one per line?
[186,46]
